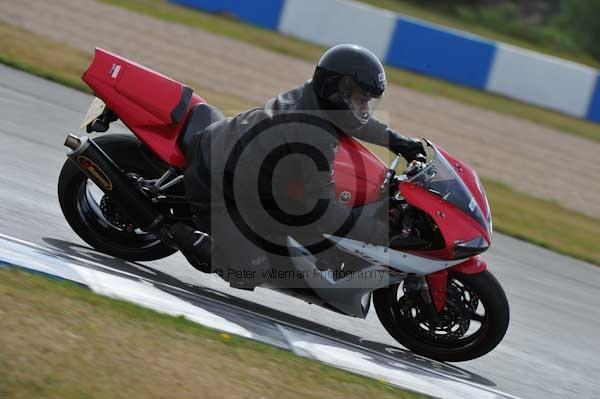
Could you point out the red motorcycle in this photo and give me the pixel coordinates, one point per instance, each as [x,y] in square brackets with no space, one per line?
[437,298]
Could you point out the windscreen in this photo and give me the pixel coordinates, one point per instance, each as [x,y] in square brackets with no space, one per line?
[440,178]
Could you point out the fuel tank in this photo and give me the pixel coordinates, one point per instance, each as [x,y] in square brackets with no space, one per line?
[357,173]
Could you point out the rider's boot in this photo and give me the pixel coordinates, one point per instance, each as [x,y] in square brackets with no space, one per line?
[195,245]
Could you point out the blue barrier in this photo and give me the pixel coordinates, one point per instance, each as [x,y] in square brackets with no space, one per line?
[264,13]
[442,53]
[594,108]
[428,49]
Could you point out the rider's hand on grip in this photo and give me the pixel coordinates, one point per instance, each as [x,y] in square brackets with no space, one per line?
[413,150]
[421,158]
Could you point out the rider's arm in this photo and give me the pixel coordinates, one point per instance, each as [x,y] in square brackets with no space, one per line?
[379,133]
[320,185]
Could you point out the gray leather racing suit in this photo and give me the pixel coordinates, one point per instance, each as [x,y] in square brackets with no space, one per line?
[240,163]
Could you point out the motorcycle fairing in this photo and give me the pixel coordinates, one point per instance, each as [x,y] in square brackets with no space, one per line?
[454,224]
[385,256]
[451,194]
[459,209]
[349,296]
[153,106]
[473,265]
[352,296]
[381,257]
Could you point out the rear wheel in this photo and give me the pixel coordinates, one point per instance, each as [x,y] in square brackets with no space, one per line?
[96,218]
[472,322]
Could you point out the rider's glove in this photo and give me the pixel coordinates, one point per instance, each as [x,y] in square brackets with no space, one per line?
[413,150]
[409,148]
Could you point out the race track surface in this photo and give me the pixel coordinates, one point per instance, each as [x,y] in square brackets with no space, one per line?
[526,156]
[550,349]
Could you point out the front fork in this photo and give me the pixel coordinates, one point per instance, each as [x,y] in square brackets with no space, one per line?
[437,282]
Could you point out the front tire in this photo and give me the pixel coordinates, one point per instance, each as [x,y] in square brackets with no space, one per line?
[472,322]
[85,207]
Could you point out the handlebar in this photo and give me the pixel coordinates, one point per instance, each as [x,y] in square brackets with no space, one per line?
[421,158]
[417,165]
[414,167]
[390,173]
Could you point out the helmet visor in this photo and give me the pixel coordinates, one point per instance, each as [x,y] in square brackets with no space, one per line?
[361,103]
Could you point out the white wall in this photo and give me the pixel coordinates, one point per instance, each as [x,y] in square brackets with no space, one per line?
[331,22]
[543,80]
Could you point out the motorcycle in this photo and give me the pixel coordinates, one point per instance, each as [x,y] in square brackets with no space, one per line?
[438,298]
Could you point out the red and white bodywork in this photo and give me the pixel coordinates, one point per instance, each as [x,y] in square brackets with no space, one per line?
[435,286]
[154,107]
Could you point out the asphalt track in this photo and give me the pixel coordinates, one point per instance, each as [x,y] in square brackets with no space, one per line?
[550,349]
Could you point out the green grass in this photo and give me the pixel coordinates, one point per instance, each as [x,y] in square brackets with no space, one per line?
[436,15]
[297,48]
[38,56]
[60,340]
[520,215]
[544,223]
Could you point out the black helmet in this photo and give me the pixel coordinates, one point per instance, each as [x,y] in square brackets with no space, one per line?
[350,77]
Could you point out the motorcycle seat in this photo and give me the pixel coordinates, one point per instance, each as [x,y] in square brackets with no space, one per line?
[200,117]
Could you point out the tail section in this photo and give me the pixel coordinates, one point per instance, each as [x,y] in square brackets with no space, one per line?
[152,105]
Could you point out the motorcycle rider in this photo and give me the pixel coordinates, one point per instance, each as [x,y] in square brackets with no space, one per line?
[347,84]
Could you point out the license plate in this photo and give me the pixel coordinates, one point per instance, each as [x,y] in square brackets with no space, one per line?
[96,109]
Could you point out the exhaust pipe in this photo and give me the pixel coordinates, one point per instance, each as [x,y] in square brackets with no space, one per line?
[103,171]
[72,142]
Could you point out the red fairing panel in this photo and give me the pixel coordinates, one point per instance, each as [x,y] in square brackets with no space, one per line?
[154,107]
[473,265]
[454,224]
[357,173]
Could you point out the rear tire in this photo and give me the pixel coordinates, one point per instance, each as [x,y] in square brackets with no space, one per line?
[409,326]
[83,212]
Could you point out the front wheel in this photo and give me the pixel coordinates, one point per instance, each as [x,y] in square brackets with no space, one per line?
[472,322]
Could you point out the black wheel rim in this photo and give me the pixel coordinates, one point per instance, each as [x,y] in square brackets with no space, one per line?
[462,322]
[89,200]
